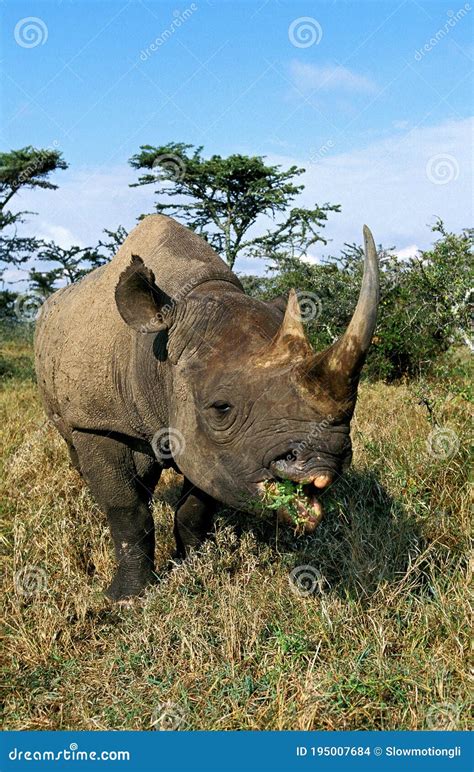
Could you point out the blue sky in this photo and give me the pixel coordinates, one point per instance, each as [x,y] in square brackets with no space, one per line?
[355,92]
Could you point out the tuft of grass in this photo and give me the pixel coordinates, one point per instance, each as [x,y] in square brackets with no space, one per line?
[377,638]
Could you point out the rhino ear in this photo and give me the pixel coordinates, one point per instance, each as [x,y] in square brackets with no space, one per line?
[279,303]
[140,302]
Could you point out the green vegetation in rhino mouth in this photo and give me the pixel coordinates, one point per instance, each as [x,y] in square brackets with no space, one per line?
[284,494]
[296,504]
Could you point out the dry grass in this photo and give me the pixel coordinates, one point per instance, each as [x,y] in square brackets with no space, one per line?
[224,641]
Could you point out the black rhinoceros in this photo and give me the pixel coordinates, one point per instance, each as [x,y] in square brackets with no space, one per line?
[159,359]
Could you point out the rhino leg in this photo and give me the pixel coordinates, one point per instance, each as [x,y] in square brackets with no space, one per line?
[73,456]
[193,518]
[122,482]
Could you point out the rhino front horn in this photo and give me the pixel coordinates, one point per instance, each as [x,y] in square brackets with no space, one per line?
[341,363]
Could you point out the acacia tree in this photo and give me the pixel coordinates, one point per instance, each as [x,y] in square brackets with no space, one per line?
[67,265]
[27,167]
[222,199]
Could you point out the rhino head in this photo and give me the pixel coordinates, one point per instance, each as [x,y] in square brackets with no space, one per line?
[248,399]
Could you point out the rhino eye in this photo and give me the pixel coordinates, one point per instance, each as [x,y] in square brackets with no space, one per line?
[221,407]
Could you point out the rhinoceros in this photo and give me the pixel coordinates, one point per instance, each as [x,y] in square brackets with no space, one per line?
[159,359]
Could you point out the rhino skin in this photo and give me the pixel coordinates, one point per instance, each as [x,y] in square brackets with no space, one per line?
[159,359]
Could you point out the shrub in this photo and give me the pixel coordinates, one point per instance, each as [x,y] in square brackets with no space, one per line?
[425,306]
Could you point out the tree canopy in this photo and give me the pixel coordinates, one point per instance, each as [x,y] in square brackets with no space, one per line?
[27,167]
[222,199]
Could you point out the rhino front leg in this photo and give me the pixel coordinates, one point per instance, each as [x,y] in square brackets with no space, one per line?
[193,518]
[123,489]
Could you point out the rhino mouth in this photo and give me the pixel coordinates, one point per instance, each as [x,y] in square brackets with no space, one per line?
[309,509]
[296,504]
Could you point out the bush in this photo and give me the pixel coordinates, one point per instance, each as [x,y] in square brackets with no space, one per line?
[425,307]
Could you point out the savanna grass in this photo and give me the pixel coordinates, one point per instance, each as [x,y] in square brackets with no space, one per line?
[362,625]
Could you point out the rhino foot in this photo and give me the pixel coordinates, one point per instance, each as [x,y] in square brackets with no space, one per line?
[126,584]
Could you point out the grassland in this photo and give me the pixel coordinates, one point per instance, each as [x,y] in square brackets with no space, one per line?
[375,637]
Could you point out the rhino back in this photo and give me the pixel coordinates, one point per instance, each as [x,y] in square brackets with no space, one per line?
[179,258]
[86,354]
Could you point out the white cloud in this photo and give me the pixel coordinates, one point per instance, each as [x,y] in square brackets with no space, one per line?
[390,185]
[407,252]
[385,185]
[14,276]
[60,235]
[87,201]
[307,77]
[401,124]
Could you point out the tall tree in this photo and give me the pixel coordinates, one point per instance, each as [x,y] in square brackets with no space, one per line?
[222,199]
[27,167]
[67,265]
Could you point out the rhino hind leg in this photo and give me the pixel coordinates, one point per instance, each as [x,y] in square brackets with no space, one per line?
[122,483]
[73,456]
[193,518]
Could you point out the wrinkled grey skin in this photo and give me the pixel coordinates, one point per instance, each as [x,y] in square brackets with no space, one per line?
[159,359]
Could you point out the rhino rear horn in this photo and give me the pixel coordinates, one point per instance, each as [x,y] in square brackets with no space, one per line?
[290,339]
